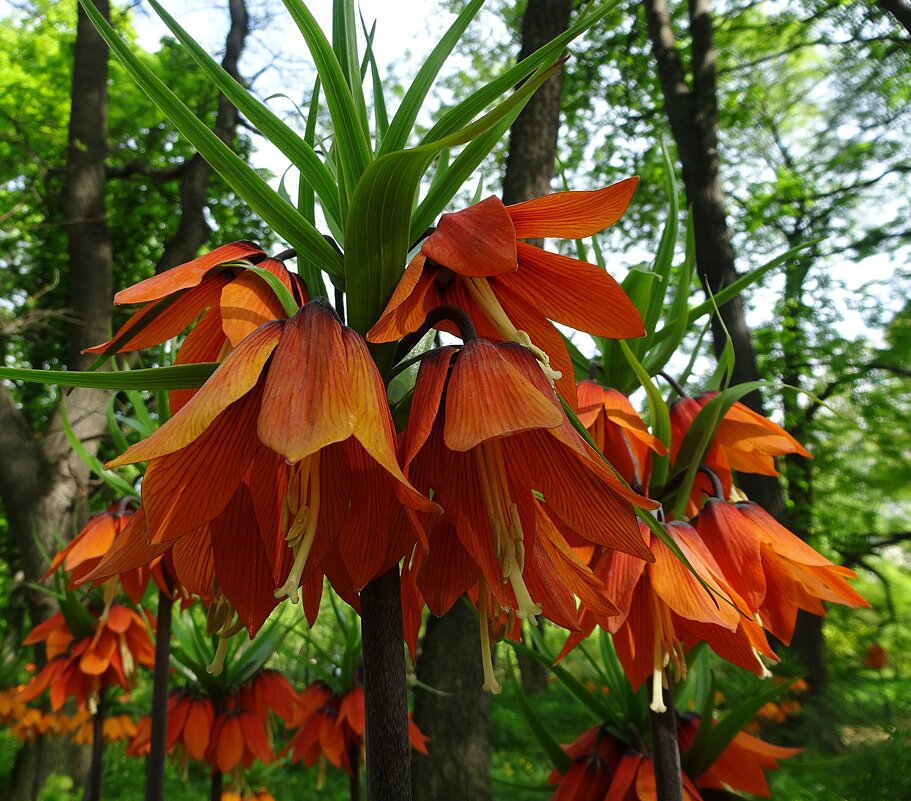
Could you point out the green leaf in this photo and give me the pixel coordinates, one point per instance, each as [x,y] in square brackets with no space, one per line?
[402,123]
[344,44]
[354,152]
[478,101]
[115,482]
[557,756]
[658,416]
[378,231]
[697,761]
[289,304]
[380,116]
[664,258]
[178,376]
[242,178]
[298,151]
[699,435]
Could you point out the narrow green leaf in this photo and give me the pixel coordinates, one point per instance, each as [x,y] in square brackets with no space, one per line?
[178,376]
[120,441]
[115,482]
[298,151]
[664,258]
[354,152]
[721,734]
[289,304]
[658,415]
[380,116]
[378,232]
[403,121]
[344,44]
[557,756]
[699,435]
[242,178]
[466,110]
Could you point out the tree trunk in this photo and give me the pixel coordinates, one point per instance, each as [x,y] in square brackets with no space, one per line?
[900,9]
[44,485]
[457,767]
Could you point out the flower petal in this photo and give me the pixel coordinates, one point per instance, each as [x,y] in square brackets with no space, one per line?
[307,403]
[185,275]
[477,241]
[488,397]
[572,215]
[233,379]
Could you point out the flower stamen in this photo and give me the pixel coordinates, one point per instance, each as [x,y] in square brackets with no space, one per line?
[302,502]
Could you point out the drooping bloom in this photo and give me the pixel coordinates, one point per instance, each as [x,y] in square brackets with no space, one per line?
[227,300]
[618,431]
[742,765]
[238,738]
[744,441]
[774,571]
[666,611]
[82,667]
[488,435]
[84,553]
[191,718]
[286,452]
[475,260]
[269,693]
[331,725]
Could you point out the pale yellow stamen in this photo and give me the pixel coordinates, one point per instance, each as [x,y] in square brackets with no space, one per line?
[505,525]
[490,681]
[737,496]
[302,509]
[484,296]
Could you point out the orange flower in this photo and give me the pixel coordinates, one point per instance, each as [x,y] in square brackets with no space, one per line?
[774,571]
[666,611]
[268,692]
[238,738]
[190,723]
[85,551]
[485,436]
[331,726]
[745,441]
[83,668]
[618,431]
[231,300]
[510,289]
[287,451]
[116,728]
[742,765]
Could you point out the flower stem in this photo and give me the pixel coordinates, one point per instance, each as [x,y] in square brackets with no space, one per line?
[154,790]
[217,788]
[96,768]
[385,698]
[668,776]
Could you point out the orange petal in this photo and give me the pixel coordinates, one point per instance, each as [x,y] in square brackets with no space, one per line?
[185,275]
[415,296]
[205,343]
[487,397]
[194,564]
[307,403]
[248,301]
[233,379]
[479,240]
[198,727]
[229,745]
[131,549]
[572,292]
[572,215]
[425,403]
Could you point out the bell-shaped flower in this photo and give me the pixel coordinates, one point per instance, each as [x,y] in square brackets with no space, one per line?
[81,668]
[226,300]
[287,451]
[618,431]
[489,437]
[774,571]
[238,738]
[511,290]
[666,610]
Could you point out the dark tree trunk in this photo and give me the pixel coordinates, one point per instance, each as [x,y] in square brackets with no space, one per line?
[692,111]
[457,767]
[900,9]
[44,485]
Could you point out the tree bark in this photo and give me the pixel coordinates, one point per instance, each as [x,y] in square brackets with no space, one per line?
[900,9]
[457,767]
[44,485]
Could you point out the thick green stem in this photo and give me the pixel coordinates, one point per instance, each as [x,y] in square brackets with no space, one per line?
[385,698]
